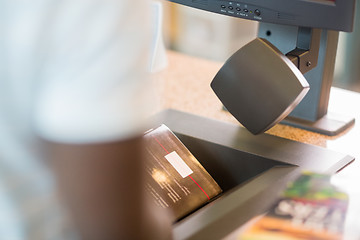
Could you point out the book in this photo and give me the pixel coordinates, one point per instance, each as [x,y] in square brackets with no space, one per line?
[177,180]
[309,208]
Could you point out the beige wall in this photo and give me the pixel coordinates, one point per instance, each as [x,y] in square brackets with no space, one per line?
[205,34]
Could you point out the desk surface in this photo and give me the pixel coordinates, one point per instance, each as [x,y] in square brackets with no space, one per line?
[185,85]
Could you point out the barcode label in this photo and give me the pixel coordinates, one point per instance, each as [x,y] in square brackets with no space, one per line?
[176,161]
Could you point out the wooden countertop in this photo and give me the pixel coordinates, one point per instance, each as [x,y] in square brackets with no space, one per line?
[185,85]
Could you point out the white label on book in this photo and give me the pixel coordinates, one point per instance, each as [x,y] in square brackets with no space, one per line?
[176,161]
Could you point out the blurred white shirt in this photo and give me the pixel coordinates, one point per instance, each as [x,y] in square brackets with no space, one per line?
[70,71]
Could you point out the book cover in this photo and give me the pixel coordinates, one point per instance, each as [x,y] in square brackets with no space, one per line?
[177,180]
[310,208]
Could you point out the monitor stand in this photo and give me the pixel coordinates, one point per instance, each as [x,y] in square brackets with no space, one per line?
[251,170]
[312,112]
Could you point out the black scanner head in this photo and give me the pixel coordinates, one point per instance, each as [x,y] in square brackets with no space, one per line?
[259,85]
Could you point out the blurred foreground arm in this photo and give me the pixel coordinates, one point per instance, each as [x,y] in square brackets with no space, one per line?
[103,185]
[92,110]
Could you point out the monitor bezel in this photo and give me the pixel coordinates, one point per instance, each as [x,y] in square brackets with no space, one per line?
[325,14]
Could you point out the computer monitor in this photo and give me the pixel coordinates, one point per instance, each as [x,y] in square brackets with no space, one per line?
[326,14]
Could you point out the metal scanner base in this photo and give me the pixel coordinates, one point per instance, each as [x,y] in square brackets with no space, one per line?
[330,124]
[250,169]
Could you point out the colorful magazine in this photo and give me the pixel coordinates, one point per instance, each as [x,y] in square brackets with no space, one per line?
[310,208]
